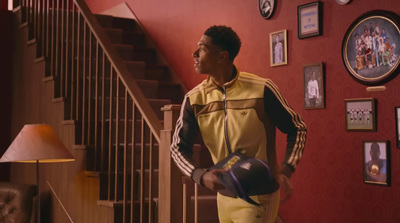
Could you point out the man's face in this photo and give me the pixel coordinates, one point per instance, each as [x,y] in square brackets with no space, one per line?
[375,153]
[207,56]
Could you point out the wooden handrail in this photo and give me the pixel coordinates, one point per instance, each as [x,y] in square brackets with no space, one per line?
[122,70]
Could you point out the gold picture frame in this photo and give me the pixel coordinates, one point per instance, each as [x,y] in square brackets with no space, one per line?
[278,48]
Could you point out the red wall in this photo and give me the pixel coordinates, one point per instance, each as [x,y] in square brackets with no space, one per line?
[329,181]
[4,4]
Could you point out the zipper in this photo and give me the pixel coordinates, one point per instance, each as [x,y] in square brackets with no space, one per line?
[226,121]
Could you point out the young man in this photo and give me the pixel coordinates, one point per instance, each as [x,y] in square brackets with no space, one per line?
[235,110]
[313,90]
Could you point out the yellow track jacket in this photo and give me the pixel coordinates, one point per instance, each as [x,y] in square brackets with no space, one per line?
[241,116]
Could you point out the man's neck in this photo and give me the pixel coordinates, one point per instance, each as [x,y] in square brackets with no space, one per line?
[225,76]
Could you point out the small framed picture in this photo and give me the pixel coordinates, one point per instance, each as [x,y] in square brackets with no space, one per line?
[267,8]
[397,117]
[278,47]
[309,20]
[360,114]
[376,162]
[314,96]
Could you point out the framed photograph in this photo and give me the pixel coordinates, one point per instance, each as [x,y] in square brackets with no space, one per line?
[397,117]
[266,8]
[360,114]
[314,96]
[376,162]
[278,47]
[371,47]
[309,20]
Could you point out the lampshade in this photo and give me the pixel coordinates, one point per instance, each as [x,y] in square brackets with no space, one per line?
[37,142]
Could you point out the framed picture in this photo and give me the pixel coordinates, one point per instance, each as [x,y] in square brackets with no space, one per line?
[360,114]
[369,49]
[309,20]
[314,96]
[278,47]
[397,118]
[266,8]
[376,162]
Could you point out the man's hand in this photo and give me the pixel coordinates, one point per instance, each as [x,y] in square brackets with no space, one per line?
[285,185]
[210,180]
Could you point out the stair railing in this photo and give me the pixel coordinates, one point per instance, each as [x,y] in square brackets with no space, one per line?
[103,100]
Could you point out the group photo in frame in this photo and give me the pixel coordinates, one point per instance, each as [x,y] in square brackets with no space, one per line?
[309,20]
[376,162]
[314,92]
[278,48]
[360,114]
[397,118]
[267,8]
[371,47]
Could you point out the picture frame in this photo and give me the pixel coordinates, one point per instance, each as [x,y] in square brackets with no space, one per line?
[278,48]
[369,51]
[376,162]
[314,92]
[397,118]
[309,20]
[360,114]
[267,8]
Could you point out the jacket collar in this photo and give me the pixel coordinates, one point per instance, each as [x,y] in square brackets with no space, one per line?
[210,85]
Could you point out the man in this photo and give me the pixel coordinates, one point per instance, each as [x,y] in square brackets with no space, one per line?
[313,90]
[235,110]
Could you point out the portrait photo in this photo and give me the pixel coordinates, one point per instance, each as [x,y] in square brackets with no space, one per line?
[267,8]
[313,76]
[376,162]
[278,48]
[360,114]
[371,48]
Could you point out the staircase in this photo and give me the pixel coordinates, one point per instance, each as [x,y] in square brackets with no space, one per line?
[113,84]
[154,80]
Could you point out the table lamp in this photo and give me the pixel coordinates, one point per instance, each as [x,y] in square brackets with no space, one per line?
[37,143]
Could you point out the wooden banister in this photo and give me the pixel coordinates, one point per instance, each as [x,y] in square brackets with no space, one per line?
[112,115]
[121,69]
[170,190]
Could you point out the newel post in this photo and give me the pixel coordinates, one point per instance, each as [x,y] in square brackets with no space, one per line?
[170,178]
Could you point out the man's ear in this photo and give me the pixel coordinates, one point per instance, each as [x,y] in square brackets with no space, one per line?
[224,56]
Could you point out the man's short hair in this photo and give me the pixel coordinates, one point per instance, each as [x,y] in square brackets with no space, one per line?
[225,38]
